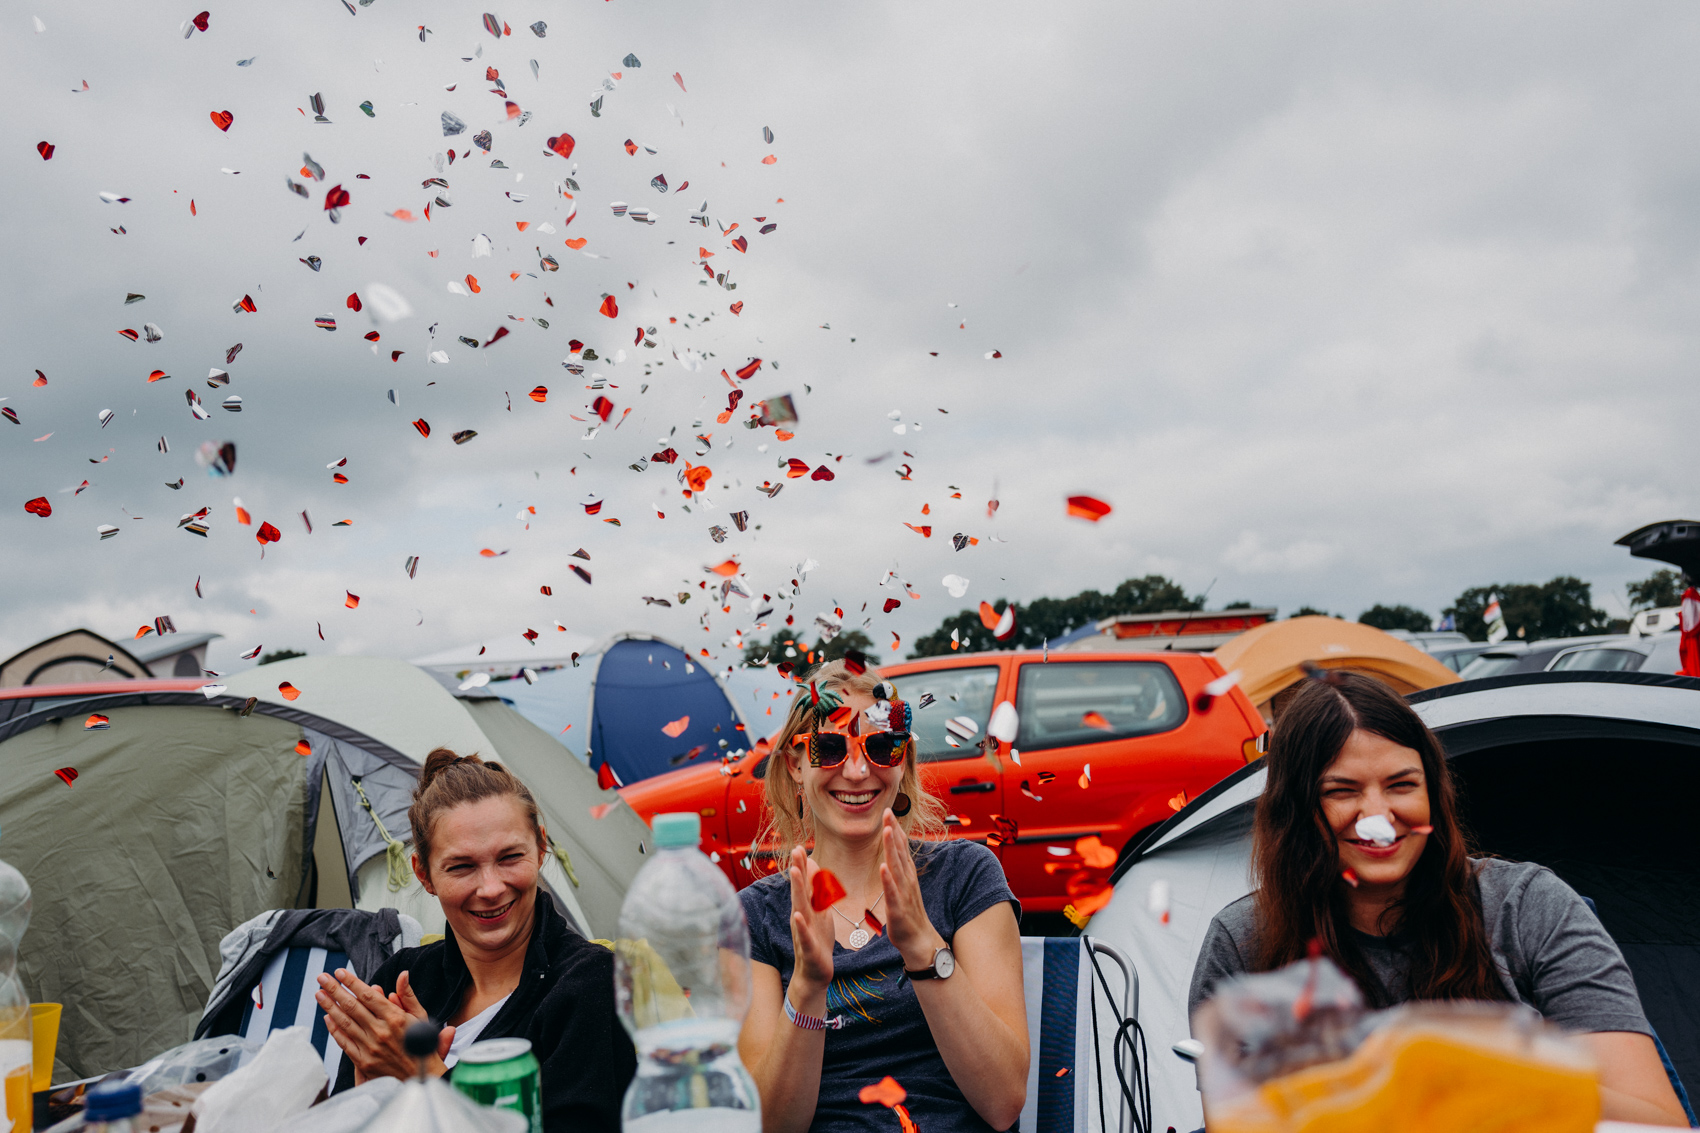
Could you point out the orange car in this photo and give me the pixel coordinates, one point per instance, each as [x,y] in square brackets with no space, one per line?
[1133,718]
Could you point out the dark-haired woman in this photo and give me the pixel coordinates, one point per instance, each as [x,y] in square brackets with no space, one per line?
[1357,843]
[508,967]
[914,972]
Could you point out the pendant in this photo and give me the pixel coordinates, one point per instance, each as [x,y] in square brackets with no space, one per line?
[859,937]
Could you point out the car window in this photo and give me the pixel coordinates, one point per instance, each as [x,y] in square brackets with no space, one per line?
[1599,660]
[955,693]
[1664,654]
[1065,704]
[1489,665]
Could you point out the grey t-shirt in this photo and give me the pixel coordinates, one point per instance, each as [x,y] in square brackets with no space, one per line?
[1551,951]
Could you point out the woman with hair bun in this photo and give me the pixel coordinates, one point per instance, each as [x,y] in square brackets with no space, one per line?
[507,967]
[914,972]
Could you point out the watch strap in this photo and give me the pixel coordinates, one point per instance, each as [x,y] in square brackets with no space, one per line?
[931,972]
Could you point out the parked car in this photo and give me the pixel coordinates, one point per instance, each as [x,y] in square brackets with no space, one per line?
[1618,653]
[1132,718]
[1456,657]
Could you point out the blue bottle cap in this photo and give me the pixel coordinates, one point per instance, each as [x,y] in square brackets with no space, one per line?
[109,1101]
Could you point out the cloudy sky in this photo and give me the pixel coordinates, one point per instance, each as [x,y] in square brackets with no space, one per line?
[1334,303]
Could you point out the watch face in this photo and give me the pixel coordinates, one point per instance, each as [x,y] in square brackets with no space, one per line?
[944,963]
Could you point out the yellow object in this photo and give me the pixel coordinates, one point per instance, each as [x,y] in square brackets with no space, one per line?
[44,1036]
[430,938]
[1428,1075]
[1271,657]
[20,1103]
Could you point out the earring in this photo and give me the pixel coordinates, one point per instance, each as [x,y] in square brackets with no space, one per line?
[900,805]
[799,804]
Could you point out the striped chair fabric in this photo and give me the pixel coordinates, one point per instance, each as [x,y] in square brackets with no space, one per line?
[284,998]
[1058,980]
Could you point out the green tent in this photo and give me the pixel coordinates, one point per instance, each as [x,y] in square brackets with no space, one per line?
[185,818]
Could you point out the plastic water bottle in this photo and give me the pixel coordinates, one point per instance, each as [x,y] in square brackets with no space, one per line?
[112,1107]
[17,1066]
[682,985]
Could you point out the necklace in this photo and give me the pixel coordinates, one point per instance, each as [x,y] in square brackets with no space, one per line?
[859,935]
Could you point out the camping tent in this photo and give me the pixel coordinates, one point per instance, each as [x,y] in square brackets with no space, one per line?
[1589,773]
[186,817]
[1271,658]
[623,702]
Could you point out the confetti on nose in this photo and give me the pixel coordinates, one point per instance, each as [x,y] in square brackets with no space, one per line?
[66,775]
[1375,828]
[676,728]
[886,1092]
[824,890]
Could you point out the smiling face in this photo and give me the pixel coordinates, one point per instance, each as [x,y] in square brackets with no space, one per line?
[1371,776]
[485,858]
[848,800]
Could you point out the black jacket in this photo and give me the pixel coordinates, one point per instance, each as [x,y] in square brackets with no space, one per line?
[564,1004]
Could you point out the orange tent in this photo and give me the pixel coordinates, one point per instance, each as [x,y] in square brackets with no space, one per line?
[1271,657]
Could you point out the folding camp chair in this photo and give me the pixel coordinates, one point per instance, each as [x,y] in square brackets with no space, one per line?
[1063,988]
[283,995]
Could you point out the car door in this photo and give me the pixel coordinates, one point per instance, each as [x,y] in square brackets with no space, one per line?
[1122,718]
[952,766]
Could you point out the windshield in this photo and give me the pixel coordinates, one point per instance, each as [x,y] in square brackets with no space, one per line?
[1489,665]
[961,695]
[1599,660]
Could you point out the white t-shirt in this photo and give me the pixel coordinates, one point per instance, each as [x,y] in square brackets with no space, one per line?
[467,1033]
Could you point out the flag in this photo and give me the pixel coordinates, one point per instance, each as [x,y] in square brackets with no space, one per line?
[1447,623]
[1690,645]
[1496,631]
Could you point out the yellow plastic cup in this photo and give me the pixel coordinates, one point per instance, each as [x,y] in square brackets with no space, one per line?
[44,1036]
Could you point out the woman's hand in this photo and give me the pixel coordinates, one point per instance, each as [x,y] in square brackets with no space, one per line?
[812,933]
[906,921]
[368,1026]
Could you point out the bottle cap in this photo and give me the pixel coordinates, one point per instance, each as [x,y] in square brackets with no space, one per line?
[109,1101]
[675,830]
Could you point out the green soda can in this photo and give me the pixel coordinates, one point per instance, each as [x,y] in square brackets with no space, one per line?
[503,1073]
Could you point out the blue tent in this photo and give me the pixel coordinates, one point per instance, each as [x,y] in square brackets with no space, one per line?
[614,704]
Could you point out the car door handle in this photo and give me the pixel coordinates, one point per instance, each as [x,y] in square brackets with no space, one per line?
[973,788]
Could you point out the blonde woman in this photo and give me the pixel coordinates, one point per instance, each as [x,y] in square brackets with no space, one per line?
[914,972]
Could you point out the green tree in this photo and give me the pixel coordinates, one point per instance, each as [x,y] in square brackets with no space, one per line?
[280,655]
[1046,618]
[1661,588]
[1561,607]
[1311,612]
[789,645]
[1397,617]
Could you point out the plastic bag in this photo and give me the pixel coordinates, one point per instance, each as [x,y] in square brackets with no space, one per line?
[1293,1051]
[347,1112]
[281,1081]
[204,1060]
[434,1106]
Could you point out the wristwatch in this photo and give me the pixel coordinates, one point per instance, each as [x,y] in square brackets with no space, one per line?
[944,963]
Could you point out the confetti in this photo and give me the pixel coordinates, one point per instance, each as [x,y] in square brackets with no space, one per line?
[288,691]
[1087,507]
[676,728]
[825,890]
[886,1092]
[67,775]
[96,723]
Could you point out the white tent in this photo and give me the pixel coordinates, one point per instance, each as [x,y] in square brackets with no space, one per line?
[1561,768]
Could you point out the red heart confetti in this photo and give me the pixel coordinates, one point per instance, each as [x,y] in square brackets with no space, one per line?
[540,394]
[288,691]
[45,149]
[302,747]
[1096,720]
[222,119]
[676,728]
[1088,507]
[886,1092]
[268,534]
[39,506]
[605,777]
[96,723]
[66,775]
[609,307]
[824,890]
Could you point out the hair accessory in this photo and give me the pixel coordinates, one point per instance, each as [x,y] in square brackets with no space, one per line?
[885,690]
[901,804]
